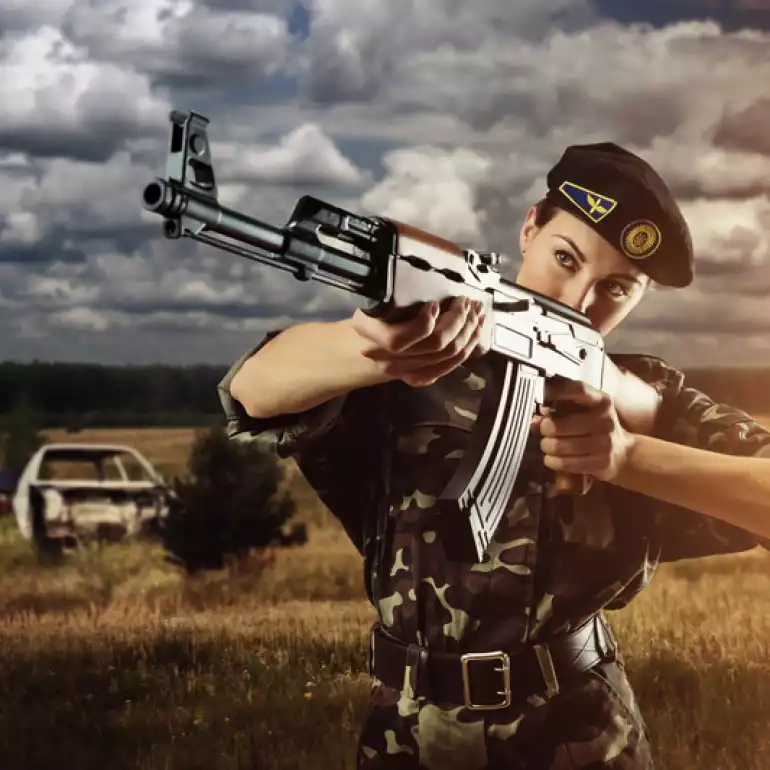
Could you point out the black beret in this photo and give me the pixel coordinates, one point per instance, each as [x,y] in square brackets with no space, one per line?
[624,199]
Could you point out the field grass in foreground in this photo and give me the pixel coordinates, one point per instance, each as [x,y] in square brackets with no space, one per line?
[116,660]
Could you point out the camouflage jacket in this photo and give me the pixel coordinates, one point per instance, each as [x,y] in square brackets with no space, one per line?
[553,562]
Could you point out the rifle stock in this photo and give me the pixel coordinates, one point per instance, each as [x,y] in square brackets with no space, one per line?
[395,267]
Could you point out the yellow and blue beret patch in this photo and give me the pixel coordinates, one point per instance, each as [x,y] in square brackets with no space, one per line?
[594,205]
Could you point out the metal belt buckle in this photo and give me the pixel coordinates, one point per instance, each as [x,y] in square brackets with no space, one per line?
[505,670]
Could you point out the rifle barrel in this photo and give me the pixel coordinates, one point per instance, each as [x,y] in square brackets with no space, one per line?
[162,198]
[296,250]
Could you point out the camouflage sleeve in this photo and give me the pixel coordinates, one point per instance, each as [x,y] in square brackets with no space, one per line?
[690,418]
[334,445]
[286,434]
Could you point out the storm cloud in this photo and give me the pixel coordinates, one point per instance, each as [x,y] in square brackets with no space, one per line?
[442,114]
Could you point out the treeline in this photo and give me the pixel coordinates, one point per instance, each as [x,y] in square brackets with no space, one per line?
[91,395]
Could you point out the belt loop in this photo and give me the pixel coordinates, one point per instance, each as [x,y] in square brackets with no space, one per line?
[416,658]
[547,669]
[603,639]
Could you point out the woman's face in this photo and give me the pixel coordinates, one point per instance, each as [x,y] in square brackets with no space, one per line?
[569,262]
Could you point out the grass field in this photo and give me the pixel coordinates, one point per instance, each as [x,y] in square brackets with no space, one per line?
[117,660]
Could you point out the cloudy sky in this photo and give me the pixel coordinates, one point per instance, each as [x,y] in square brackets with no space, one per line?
[444,113]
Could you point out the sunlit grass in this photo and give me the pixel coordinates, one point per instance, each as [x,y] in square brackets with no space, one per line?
[117,659]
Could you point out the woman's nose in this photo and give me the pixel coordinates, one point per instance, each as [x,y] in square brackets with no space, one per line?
[578,296]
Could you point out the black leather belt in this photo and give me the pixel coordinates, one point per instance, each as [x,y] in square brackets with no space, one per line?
[489,680]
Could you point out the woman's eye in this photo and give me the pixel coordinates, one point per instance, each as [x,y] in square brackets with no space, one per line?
[617,290]
[565,259]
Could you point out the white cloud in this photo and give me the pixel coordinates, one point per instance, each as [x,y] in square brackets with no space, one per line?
[726,231]
[21,229]
[55,101]
[103,200]
[304,156]
[23,15]
[356,46]
[88,197]
[432,189]
[706,325]
[696,168]
[179,37]
[83,318]
[606,81]
[61,290]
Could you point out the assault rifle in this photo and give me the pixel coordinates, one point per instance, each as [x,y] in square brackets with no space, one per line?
[396,268]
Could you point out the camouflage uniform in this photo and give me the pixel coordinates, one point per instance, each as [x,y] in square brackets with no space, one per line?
[555,562]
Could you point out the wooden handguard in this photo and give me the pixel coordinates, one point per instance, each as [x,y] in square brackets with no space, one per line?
[435,241]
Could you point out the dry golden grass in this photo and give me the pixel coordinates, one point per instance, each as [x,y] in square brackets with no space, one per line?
[115,659]
[166,448]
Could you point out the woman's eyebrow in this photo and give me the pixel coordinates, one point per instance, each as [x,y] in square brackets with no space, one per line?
[582,258]
[580,255]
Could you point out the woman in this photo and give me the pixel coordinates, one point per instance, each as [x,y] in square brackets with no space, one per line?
[508,663]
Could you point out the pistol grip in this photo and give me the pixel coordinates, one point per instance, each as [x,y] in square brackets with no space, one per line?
[572,484]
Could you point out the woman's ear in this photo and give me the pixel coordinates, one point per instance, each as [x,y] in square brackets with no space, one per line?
[528,230]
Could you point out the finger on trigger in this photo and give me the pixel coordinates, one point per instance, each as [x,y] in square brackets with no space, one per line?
[405,335]
[431,309]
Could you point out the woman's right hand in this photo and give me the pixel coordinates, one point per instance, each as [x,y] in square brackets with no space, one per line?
[423,349]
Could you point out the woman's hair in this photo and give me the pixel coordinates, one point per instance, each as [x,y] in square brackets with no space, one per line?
[545,211]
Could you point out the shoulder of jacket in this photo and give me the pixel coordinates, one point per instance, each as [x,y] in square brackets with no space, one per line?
[652,369]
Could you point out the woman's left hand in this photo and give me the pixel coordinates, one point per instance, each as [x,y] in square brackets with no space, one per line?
[590,438]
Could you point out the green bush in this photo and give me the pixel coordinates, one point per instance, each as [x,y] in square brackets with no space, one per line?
[20,435]
[227,505]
